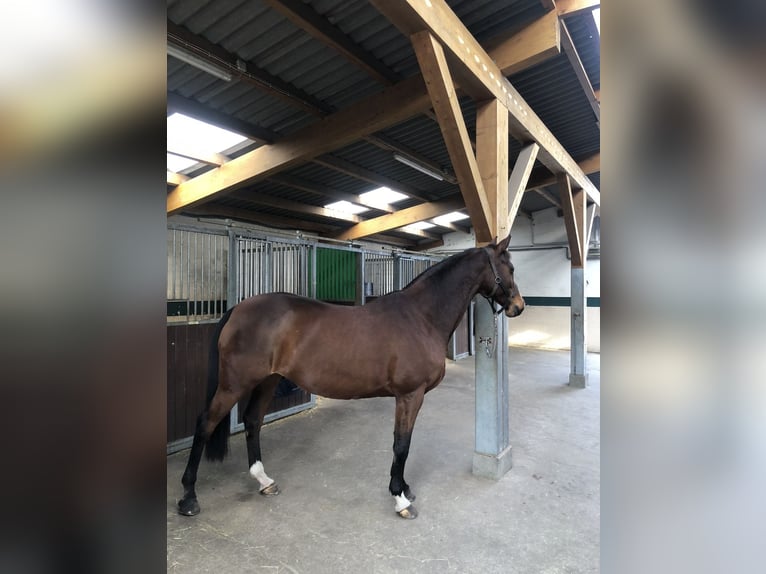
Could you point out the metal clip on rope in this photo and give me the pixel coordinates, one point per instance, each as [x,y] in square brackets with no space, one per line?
[487,341]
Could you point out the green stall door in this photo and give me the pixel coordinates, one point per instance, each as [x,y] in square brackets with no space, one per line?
[336,275]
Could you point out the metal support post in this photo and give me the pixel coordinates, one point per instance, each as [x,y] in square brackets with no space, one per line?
[397,272]
[231,272]
[231,300]
[492,456]
[360,298]
[314,271]
[578,377]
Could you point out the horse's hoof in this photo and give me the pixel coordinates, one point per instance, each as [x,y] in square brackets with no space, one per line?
[188,507]
[409,513]
[270,490]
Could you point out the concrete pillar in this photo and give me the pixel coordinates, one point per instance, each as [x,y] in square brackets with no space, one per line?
[578,377]
[492,454]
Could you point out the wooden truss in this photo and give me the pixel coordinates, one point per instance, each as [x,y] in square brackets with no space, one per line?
[452,62]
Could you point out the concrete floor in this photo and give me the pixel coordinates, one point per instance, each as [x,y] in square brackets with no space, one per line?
[335,515]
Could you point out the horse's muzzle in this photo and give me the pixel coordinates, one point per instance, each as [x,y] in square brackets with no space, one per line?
[515,308]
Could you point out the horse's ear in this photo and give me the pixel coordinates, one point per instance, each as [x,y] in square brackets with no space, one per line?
[503,245]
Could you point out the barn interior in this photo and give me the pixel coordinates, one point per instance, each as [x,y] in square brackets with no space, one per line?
[336,150]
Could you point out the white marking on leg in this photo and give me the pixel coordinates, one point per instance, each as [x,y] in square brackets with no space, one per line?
[401,502]
[257,472]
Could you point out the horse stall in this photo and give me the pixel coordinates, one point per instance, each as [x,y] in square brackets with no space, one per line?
[207,269]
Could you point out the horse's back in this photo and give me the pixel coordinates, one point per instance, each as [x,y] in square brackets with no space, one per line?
[332,350]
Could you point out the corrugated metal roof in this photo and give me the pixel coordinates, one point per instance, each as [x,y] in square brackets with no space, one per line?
[263,37]
[587,41]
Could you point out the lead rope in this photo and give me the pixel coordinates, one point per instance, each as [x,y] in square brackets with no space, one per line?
[490,343]
[491,353]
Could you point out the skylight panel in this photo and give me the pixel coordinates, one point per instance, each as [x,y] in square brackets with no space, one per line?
[346,207]
[185,133]
[449,218]
[176,163]
[381,196]
[419,226]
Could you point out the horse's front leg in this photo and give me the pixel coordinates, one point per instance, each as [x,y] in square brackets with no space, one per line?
[407,408]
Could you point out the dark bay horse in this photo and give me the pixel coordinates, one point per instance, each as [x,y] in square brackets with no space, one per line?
[395,346]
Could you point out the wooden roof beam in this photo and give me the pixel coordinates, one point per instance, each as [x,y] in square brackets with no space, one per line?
[291,181]
[422,233]
[573,205]
[518,181]
[433,65]
[547,195]
[492,160]
[394,105]
[294,206]
[214,159]
[401,218]
[579,69]
[589,165]
[548,4]
[535,43]
[389,107]
[451,226]
[482,79]
[263,80]
[176,178]
[325,191]
[343,166]
[567,8]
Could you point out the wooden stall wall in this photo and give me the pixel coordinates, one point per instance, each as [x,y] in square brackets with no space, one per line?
[188,348]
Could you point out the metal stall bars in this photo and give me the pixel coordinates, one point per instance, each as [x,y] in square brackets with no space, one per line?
[386,272]
[410,266]
[197,275]
[197,284]
[269,265]
[379,274]
[461,342]
[264,264]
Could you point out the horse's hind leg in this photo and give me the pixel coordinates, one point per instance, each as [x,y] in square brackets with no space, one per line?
[253,419]
[407,408]
[206,423]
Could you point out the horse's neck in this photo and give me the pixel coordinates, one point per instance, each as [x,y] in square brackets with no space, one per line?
[444,297]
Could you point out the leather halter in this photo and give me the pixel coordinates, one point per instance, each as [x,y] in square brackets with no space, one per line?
[498,283]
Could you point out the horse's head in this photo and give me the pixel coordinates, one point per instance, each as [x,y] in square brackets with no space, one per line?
[498,284]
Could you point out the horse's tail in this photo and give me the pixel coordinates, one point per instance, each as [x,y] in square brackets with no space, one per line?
[218,442]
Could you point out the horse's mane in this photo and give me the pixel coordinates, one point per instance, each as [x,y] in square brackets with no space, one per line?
[442,268]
